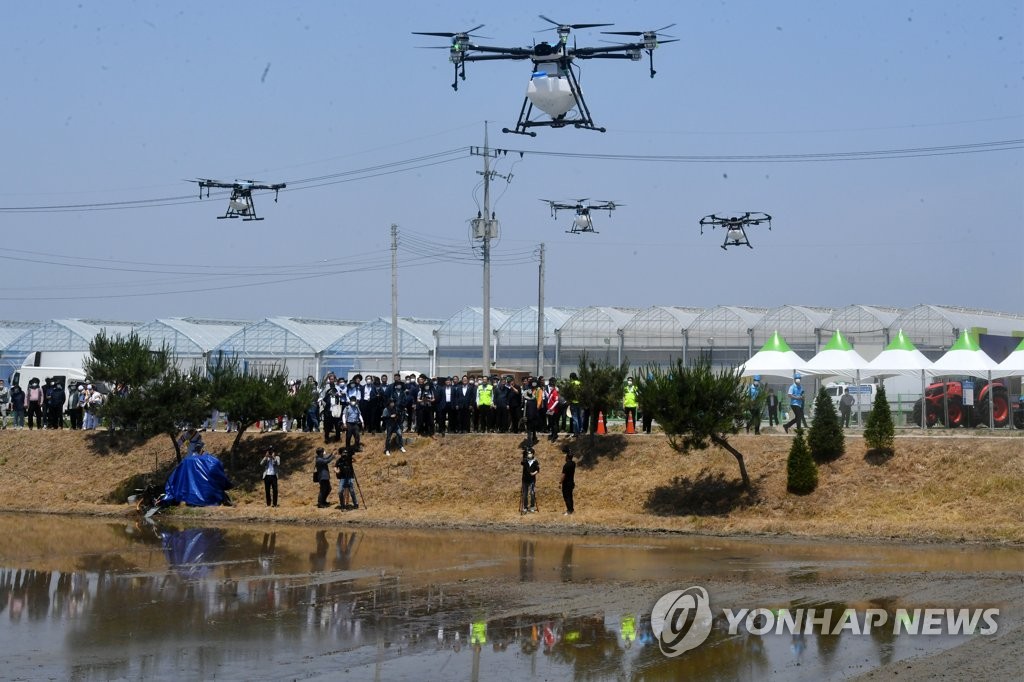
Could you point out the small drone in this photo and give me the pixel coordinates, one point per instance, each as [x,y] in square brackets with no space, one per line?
[582,222]
[554,85]
[240,205]
[735,226]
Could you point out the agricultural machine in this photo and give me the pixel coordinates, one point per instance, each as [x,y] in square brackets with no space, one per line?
[987,397]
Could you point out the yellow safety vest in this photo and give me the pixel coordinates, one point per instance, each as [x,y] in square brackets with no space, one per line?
[485,395]
[629,397]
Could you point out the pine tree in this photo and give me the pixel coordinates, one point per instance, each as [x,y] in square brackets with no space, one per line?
[801,471]
[880,433]
[825,438]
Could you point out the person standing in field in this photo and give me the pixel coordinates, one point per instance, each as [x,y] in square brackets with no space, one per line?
[322,476]
[568,482]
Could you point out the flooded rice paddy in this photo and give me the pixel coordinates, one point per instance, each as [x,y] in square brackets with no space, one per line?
[93,599]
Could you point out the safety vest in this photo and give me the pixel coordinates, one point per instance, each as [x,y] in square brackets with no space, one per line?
[629,397]
[485,395]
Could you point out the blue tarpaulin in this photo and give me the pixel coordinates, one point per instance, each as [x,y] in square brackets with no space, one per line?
[199,481]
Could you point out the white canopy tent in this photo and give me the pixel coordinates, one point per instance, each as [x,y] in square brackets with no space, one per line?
[839,359]
[966,357]
[1013,365]
[901,358]
[775,359]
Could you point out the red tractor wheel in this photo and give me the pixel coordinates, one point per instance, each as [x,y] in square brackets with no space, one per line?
[955,409]
[999,404]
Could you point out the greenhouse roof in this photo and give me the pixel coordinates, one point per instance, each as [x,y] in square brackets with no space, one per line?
[67,335]
[727,323]
[942,324]
[11,330]
[660,320]
[465,328]
[521,326]
[415,336]
[189,335]
[286,336]
[858,319]
[599,320]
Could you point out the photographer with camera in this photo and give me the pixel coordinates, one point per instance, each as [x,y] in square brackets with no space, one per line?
[531,467]
[346,472]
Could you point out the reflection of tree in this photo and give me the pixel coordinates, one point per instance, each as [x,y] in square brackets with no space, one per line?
[722,657]
[27,592]
[828,643]
[882,635]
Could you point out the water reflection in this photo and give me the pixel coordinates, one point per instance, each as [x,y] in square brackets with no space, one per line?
[115,600]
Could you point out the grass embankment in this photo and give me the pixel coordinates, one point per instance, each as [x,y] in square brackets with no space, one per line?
[937,487]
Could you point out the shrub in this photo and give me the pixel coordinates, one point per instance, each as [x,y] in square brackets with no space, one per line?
[801,471]
[880,432]
[825,438]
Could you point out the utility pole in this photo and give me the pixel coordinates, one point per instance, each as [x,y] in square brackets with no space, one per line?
[394,299]
[485,228]
[540,314]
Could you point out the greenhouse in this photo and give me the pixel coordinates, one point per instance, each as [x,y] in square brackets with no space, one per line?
[657,335]
[516,339]
[722,335]
[367,348]
[61,343]
[189,339]
[460,339]
[865,327]
[593,330]
[933,329]
[799,325]
[292,344]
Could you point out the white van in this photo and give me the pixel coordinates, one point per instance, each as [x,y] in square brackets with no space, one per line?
[864,394]
[68,377]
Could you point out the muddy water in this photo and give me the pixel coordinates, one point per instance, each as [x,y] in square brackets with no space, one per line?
[86,599]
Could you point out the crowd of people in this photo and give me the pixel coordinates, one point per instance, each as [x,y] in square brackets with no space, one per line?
[441,405]
[45,405]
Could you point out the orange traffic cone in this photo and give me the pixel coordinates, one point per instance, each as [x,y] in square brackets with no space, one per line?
[630,426]
[600,424]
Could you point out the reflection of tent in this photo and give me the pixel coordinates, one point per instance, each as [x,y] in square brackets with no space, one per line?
[193,550]
[199,480]
[1013,365]
[774,359]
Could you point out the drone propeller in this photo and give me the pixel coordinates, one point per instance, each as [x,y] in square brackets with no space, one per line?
[655,32]
[568,26]
[448,34]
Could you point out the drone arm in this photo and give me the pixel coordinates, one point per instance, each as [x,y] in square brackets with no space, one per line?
[587,52]
[506,52]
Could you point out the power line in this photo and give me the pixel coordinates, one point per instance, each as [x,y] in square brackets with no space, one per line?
[378,170]
[867,155]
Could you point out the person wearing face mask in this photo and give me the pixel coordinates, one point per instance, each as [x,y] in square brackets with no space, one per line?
[629,401]
[754,392]
[796,402]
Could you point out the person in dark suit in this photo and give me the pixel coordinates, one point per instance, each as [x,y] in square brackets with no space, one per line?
[444,399]
[465,400]
[323,476]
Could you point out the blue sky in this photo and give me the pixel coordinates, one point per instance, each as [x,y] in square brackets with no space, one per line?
[119,102]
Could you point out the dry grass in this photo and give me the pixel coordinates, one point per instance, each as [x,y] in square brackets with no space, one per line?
[935,488]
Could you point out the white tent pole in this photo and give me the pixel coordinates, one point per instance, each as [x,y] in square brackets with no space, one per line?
[924,402]
[992,403]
